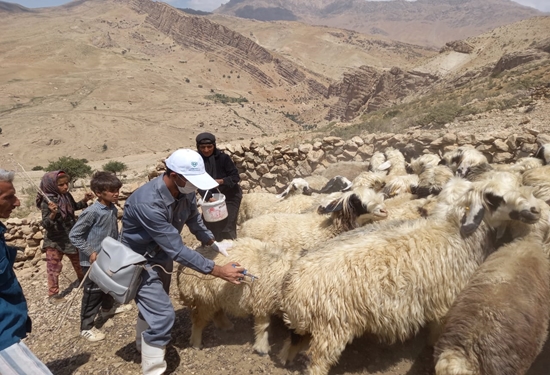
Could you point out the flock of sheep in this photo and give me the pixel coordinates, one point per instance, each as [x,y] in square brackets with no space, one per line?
[410,245]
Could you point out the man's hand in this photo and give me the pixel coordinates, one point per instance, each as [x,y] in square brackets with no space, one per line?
[93,257]
[88,196]
[231,272]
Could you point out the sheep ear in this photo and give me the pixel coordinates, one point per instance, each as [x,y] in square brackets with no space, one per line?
[333,206]
[471,219]
[384,166]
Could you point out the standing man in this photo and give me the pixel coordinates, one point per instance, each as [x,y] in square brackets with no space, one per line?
[154,216]
[15,357]
[220,166]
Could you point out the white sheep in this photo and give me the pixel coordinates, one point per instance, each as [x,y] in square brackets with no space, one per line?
[539,179]
[498,324]
[210,298]
[543,153]
[418,164]
[255,204]
[348,211]
[461,159]
[372,180]
[391,283]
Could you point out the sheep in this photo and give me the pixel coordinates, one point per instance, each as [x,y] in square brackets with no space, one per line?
[397,161]
[417,165]
[399,184]
[210,297]
[391,283]
[539,178]
[335,184]
[462,158]
[431,180]
[373,180]
[255,204]
[543,153]
[378,162]
[316,181]
[348,211]
[498,324]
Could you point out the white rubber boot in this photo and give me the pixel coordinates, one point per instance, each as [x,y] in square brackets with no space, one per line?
[141,326]
[152,358]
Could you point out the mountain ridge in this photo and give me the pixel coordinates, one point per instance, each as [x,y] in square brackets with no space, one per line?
[423,22]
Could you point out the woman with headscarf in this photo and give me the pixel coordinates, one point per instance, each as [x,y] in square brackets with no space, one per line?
[220,167]
[57,220]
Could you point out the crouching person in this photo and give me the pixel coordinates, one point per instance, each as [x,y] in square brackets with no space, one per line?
[15,323]
[153,218]
[94,224]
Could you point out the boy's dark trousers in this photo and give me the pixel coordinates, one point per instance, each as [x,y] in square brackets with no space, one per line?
[92,299]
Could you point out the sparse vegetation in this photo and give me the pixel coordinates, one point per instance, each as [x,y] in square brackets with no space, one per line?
[115,167]
[224,99]
[76,168]
[37,168]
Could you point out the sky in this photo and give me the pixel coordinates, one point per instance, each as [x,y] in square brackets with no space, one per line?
[208,5]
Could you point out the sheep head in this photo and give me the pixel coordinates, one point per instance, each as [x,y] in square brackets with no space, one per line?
[356,208]
[498,201]
[298,185]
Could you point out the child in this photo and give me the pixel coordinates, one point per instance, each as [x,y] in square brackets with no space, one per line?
[58,219]
[94,224]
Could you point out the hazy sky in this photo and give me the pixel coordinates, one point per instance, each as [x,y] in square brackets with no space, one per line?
[543,5]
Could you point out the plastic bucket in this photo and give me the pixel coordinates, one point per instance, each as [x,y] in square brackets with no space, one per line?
[214,211]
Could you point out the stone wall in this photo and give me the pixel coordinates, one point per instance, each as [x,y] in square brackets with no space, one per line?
[26,235]
[271,167]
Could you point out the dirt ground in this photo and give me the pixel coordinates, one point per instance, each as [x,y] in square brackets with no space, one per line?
[56,342]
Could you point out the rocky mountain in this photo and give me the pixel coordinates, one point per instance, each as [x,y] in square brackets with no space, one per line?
[423,22]
[107,78]
[12,8]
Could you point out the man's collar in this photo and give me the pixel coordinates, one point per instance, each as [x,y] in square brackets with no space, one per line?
[163,190]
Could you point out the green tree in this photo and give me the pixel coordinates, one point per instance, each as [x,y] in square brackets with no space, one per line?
[76,168]
[115,167]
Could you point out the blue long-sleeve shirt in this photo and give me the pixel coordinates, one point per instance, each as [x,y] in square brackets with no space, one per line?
[94,224]
[154,218]
[14,318]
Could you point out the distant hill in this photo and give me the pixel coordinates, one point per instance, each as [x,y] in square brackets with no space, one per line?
[13,8]
[423,22]
[194,12]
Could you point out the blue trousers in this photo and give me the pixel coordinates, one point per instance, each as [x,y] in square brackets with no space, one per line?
[153,300]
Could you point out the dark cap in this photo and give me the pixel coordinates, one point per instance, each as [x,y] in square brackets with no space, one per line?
[206,139]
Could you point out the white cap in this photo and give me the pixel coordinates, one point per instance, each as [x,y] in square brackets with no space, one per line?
[190,165]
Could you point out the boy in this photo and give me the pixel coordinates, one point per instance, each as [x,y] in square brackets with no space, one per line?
[94,224]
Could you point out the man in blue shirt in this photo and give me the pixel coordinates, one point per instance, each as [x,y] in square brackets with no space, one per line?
[15,357]
[153,218]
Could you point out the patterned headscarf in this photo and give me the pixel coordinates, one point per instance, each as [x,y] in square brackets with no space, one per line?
[49,186]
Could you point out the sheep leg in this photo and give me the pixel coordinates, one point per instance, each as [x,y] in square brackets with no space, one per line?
[292,346]
[261,325]
[200,317]
[324,351]
[222,321]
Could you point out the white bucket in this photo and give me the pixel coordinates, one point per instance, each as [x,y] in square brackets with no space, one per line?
[215,211]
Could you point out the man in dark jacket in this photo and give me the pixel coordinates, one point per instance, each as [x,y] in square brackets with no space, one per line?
[15,357]
[223,170]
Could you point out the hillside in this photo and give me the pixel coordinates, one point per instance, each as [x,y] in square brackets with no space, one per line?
[117,78]
[423,22]
[96,73]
